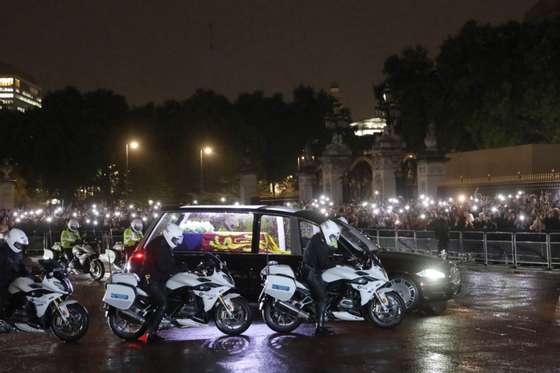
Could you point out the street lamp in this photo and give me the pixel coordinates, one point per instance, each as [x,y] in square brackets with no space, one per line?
[205,150]
[133,145]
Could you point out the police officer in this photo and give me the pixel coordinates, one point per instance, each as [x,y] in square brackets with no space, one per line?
[316,261]
[159,266]
[70,237]
[11,263]
[132,235]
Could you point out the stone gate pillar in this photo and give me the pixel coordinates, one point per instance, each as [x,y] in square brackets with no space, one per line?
[430,165]
[247,180]
[335,161]
[7,187]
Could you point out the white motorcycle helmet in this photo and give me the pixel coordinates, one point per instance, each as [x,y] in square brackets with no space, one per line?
[331,233]
[73,225]
[137,225]
[17,240]
[173,235]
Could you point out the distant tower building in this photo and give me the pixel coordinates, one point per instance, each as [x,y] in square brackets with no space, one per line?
[543,9]
[18,91]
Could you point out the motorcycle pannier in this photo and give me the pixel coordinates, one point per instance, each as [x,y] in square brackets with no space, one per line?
[280,287]
[119,296]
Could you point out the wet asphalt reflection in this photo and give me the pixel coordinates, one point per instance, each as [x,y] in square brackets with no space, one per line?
[502,321]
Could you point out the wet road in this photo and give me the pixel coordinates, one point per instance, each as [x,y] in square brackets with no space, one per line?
[502,321]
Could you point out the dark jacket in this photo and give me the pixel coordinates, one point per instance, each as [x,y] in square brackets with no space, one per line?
[316,256]
[11,265]
[159,262]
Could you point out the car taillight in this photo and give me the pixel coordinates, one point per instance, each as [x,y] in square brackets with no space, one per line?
[138,256]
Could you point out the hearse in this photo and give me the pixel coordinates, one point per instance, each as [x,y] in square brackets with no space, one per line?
[247,237]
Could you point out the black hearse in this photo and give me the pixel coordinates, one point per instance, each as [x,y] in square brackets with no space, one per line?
[246,237]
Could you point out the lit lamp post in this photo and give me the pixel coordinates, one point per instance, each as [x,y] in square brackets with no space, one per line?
[132,145]
[205,150]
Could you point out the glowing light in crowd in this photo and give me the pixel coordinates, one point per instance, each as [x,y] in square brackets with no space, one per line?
[461,198]
[131,206]
[133,214]
[155,215]
[494,209]
[422,216]
[117,213]
[49,219]
[195,202]
[88,221]
[236,203]
[407,207]
[223,199]
[144,218]
[95,222]
[74,214]
[376,192]
[364,204]
[522,217]
[150,202]
[475,208]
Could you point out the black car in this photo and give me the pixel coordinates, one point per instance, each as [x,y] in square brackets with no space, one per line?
[247,237]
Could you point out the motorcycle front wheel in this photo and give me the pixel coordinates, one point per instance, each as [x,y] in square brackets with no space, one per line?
[279,320]
[392,316]
[96,269]
[125,328]
[236,321]
[76,325]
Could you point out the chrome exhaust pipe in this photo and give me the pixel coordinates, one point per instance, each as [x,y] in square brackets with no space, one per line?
[130,313]
[288,307]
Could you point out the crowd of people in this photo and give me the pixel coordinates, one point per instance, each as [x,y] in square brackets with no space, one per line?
[519,211]
[92,216]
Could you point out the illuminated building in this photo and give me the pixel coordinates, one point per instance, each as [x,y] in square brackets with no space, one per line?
[368,127]
[18,91]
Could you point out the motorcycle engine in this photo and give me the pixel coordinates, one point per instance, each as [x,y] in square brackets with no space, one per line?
[346,304]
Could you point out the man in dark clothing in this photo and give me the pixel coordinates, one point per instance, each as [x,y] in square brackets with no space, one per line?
[11,264]
[441,232]
[159,266]
[316,261]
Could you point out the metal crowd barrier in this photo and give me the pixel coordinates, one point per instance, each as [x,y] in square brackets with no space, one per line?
[508,248]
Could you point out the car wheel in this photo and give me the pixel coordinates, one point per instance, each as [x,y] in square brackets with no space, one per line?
[435,308]
[407,289]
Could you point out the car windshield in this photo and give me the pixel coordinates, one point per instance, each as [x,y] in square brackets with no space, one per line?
[355,238]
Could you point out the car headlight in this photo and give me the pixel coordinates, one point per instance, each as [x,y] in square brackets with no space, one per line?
[431,274]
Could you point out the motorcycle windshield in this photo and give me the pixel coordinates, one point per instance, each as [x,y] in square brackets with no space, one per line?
[355,238]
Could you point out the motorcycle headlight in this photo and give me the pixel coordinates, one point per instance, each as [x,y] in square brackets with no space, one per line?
[431,274]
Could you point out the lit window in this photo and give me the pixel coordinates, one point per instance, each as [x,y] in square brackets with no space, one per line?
[6,82]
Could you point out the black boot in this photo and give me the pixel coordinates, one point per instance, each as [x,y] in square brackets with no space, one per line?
[320,328]
[154,338]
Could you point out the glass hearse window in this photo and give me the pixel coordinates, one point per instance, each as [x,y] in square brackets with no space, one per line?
[211,231]
[277,236]
[307,230]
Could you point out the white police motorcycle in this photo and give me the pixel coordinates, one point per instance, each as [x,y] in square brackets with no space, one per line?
[195,298]
[86,259]
[357,290]
[43,306]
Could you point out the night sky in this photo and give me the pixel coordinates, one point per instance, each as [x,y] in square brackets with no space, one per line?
[157,50]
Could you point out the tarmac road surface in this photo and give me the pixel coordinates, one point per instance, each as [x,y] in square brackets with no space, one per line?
[503,321]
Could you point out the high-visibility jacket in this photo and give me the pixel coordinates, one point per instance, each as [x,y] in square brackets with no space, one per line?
[68,238]
[131,238]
